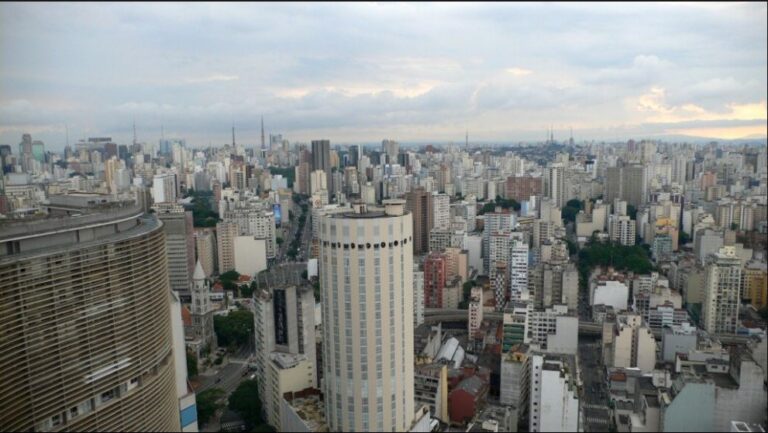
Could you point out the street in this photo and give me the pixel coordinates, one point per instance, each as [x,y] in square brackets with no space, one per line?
[594,395]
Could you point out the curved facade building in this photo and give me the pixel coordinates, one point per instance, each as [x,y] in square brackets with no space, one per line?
[85,326]
[366,261]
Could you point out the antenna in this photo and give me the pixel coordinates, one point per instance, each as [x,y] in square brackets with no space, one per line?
[66,128]
[262,133]
[134,131]
[233,134]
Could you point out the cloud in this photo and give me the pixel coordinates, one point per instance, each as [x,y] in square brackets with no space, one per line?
[519,72]
[505,71]
[212,78]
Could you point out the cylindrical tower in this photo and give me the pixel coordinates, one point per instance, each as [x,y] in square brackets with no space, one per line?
[85,326]
[367,296]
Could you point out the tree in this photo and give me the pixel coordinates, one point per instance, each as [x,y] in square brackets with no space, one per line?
[763,313]
[208,403]
[191,364]
[247,403]
[684,238]
[304,274]
[569,213]
[578,204]
[234,329]
[734,226]
[229,276]
[279,240]
[466,291]
[632,212]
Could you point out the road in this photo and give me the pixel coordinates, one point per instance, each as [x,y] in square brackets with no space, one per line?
[594,393]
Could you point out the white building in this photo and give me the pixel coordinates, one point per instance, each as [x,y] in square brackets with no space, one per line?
[554,403]
[722,292]
[633,344]
[475,310]
[441,209]
[164,188]
[613,293]
[418,298]
[366,274]
[553,331]
[250,255]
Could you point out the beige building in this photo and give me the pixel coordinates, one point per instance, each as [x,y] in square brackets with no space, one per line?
[80,298]
[285,373]
[722,290]
[366,275]
[633,344]
[205,246]
[226,232]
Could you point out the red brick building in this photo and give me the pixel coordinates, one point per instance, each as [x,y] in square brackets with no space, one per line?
[434,279]
[523,187]
[465,400]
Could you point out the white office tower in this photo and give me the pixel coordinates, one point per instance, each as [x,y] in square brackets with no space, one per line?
[722,291]
[441,209]
[366,273]
[555,185]
[518,271]
[554,404]
[164,188]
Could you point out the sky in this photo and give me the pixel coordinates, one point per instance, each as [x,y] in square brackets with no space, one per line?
[362,72]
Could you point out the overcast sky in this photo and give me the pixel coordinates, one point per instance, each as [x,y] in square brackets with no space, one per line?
[364,72]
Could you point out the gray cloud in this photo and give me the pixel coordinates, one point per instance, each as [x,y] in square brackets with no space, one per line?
[418,70]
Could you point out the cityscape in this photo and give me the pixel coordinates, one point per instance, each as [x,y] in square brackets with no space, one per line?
[411,217]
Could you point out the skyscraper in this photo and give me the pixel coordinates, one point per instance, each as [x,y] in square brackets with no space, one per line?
[554,184]
[87,341]
[180,246]
[722,287]
[419,204]
[321,160]
[366,273]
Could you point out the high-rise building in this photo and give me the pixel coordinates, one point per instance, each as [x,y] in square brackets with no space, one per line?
[518,271]
[623,230]
[366,273]
[205,247]
[634,184]
[521,188]
[435,273]
[755,283]
[164,188]
[321,160]
[284,323]
[555,185]
[554,400]
[80,299]
[390,148]
[419,205]
[515,378]
[441,209]
[180,246]
[226,232]
[613,185]
[722,292]
[418,298]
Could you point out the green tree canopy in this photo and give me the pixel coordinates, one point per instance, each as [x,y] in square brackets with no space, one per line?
[229,276]
[247,403]
[191,364]
[234,329]
[208,403]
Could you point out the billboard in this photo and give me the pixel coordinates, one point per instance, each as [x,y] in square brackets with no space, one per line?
[278,214]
